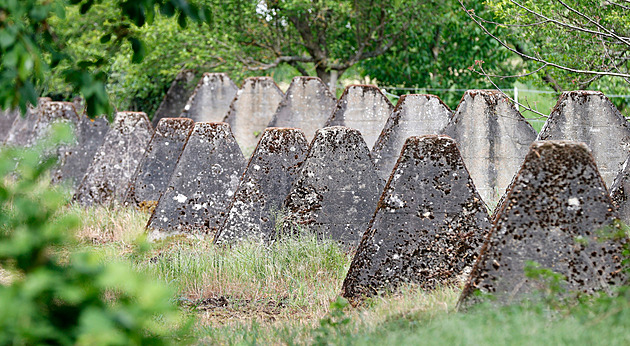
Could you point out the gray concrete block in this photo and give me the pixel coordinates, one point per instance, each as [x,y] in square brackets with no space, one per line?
[211,99]
[620,192]
[159,162]
[176,97]
[590,117]
[414,115]
[307,105]
[557,213]
[429,225]
[256,210]
[116,160]
[75,160]
[493,138]
[337,190]
[22,130]
[202,186]
[7,118]
[362,107]
[252,109]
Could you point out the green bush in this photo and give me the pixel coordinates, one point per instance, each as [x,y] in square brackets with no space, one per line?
[53,297]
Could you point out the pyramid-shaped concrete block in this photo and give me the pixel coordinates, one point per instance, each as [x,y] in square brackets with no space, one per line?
[590,117]
[337,189]
[23,128]
[159,162]
[75,160]
[493,138]
[252,109]
[620,192]
[7,118]
[558,214]
[414,115]
[50,113]
[307,105]
[429,225]
[202,186]
[362,107]
[257,205]
[176,97]
[211,99]
[108,176]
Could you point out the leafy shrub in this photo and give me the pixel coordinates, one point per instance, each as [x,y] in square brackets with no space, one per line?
[53,298]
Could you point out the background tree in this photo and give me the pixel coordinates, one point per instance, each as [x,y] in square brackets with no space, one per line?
[564,44]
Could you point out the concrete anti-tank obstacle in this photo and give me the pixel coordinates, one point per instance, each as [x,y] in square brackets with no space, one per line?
[620,192]
[414,115]
[211,99]
[557,213]
[258,201]
[7,118]
[53,112]
[362,107]
[74,162]
[202,186]
[22,130]
[159,161]
[428,227]
[493,138]
[590,117]
[252,109]
[307,105]
[176,97]
[116,160]
[337,189]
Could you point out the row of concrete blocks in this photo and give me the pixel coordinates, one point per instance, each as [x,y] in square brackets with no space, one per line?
[331,193]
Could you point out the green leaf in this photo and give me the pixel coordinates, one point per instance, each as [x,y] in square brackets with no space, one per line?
[138,49]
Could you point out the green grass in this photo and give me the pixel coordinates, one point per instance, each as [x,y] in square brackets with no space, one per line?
[282,294]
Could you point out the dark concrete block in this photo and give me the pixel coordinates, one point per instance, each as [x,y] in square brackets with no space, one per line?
[620,192]
[271,171]
[414,115]
[429,225]
[176,97]
[307,105]
[337,189]
[202,186]
[211,99]
[252,109]
[362,107]
[558,214]
[493,138]
[590,117]
[159,162]
[107,178]
[75,160]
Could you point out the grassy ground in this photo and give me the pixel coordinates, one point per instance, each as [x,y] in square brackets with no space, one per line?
[287,293]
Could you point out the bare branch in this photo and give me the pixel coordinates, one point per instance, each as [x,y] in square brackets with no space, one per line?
[601,27]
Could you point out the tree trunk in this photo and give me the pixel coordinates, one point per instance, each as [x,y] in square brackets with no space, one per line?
[329,77]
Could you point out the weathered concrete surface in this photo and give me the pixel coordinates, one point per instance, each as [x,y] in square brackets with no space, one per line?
[159,162]
[117,159]
[493,138]
[75,160]
[590,117]
[414,115]
[429,225]
[22,130]
[620,192]
[211,99]
[7,118]
[337,189]
[257,203]
[307,105]
[362,107]
[53,112]
[176,97]
[556,213]
[79,105]
[202,186]
[252,109]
